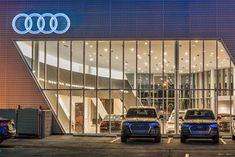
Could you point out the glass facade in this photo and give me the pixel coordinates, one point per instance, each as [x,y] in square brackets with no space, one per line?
[91,84]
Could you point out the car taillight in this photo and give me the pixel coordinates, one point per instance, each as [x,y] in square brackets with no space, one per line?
[104,124]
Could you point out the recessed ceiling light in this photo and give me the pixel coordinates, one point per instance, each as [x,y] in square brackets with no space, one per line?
[132,49]
[91,46]
[146,43]
[165,53]
[86,43]
[116,57]
[105,50]
[91,59]
[186,53]
[196,41]
[63,42]
[139,57]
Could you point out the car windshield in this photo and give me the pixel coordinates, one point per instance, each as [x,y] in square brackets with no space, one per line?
[199,114]
[141,113]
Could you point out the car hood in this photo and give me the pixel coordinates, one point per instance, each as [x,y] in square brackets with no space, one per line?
[141,120]
[199,121]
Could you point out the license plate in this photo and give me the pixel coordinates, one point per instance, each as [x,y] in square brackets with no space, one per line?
[200,132]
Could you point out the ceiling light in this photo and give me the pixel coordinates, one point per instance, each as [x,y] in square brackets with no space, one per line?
[146,43]
[132,49]
[139,69]
[63,42]
[165,53]
[151,51]
[91,46]
[196,41]
[105,50]
[221,50]
[186,53]
[139,57]
[91,59]
[86,43]
[145,63]
[117,57]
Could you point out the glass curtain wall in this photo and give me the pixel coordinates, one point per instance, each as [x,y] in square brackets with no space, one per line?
[91,84]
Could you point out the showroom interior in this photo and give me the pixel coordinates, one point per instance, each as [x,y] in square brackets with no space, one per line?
[87,82]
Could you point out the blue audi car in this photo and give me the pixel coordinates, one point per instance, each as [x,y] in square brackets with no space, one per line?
[199,123]
[7,129]
[141,122]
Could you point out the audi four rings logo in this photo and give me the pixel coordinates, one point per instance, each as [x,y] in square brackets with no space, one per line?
[46,23]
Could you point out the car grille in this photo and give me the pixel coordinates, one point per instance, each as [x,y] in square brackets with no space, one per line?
[200,128]
[139,127]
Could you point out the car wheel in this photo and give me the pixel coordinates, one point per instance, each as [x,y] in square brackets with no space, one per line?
[157,139]
[183,139]
[123,139]
[233,137]
[216,139]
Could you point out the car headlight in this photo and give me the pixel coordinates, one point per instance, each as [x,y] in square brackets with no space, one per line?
[213,126]
[186,125]
[154,124]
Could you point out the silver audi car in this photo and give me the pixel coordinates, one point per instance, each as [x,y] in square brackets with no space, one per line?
[141,122]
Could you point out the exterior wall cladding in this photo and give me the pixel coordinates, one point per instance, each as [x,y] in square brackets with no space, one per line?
[114,19]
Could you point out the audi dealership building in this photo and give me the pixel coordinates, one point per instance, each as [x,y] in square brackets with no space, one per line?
[88,61]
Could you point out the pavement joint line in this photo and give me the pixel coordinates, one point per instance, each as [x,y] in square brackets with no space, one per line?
[186,155]
[169,140]
[115,140]
[222,141]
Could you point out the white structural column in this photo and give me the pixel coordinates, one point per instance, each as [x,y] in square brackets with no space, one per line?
[200,105]
[212,96]
[233,96]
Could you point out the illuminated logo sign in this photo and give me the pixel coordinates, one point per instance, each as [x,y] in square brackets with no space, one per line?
[36,23]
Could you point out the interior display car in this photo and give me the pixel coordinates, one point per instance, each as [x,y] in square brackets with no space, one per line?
[199,123]
[7,129]
[115,120]
[224,122]
[170,125]
[141,122]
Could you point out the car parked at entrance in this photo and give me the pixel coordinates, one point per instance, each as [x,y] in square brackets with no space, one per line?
[199,123]
[7,129]
[141,122]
